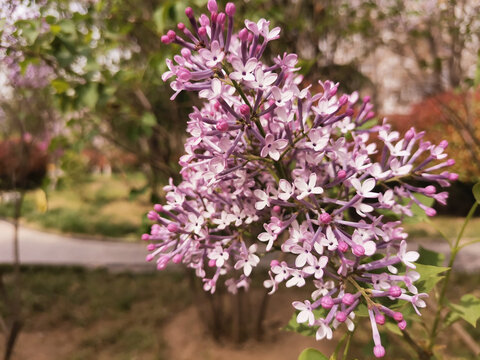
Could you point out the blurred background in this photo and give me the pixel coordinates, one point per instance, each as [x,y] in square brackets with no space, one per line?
[88,138]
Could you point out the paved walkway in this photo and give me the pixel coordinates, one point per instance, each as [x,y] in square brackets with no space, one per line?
[43,248]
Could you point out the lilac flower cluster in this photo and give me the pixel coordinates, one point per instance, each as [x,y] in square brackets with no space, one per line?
[271,166]
[34,75]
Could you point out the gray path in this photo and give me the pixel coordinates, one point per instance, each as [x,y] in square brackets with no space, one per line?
[38,247]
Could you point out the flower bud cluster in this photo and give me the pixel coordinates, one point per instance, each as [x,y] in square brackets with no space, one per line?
[270,166]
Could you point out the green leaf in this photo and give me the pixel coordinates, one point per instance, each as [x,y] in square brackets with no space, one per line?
[477,74]
[149,120]
[418,213]
[361,310]
[468,309]
[312,354]
[393,328]
[428,257]
[476,192]
[429,276]
[89,95]
[301,329]
[60,86]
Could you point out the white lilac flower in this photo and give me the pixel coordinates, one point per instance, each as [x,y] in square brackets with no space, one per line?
[307,189]
[273,147]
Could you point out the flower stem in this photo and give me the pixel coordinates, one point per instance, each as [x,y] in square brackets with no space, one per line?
[454,251]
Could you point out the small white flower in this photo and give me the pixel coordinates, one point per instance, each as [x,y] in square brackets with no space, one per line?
[364,190]
[308,188]
[285,190]
[264,199]
[306,313]
[407,257]
[272,147]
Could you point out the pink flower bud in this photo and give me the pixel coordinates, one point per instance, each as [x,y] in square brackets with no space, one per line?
[222,125]
[325,218]
[171,35]
[212,6]
[162,265]
[274,263]
[212,262]
[333,91]
[341,316]
[402,325]
[348,299]
[189,12]
[326,302]
[250,37]
[244,109]
[151,247]
[409,135]
[370,115]
[183,74]
[277,208]
[149,258]
[453,177]
[379,351]
[366,99]
[186,53]
[243,34]
[380,319]
[343,100]
[443,144]
[430,190]
[395,291]
[230,9]
[172,227]
[145,237]
[341,174]
[165,39]
[430,212]
[451,162]
[221,18]
[202,31]
[152,215]
[342,246]
[214,17]
[204,20]
[177,259]
[216,105]
[158,208]
[181,26]
[349,112]
[358,250]
[398,316]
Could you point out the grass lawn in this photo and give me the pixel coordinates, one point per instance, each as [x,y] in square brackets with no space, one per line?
[75,314]
[101,206]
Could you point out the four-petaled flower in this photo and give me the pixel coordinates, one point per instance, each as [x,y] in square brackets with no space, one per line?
[309,188]
[272,147]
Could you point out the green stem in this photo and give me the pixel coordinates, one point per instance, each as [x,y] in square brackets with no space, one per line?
[454,251]
[334,356]
[347,346]
[242,94]
[469,243]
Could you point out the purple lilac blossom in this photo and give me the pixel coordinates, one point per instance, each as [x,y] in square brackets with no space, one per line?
[270,166]
[34,75]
